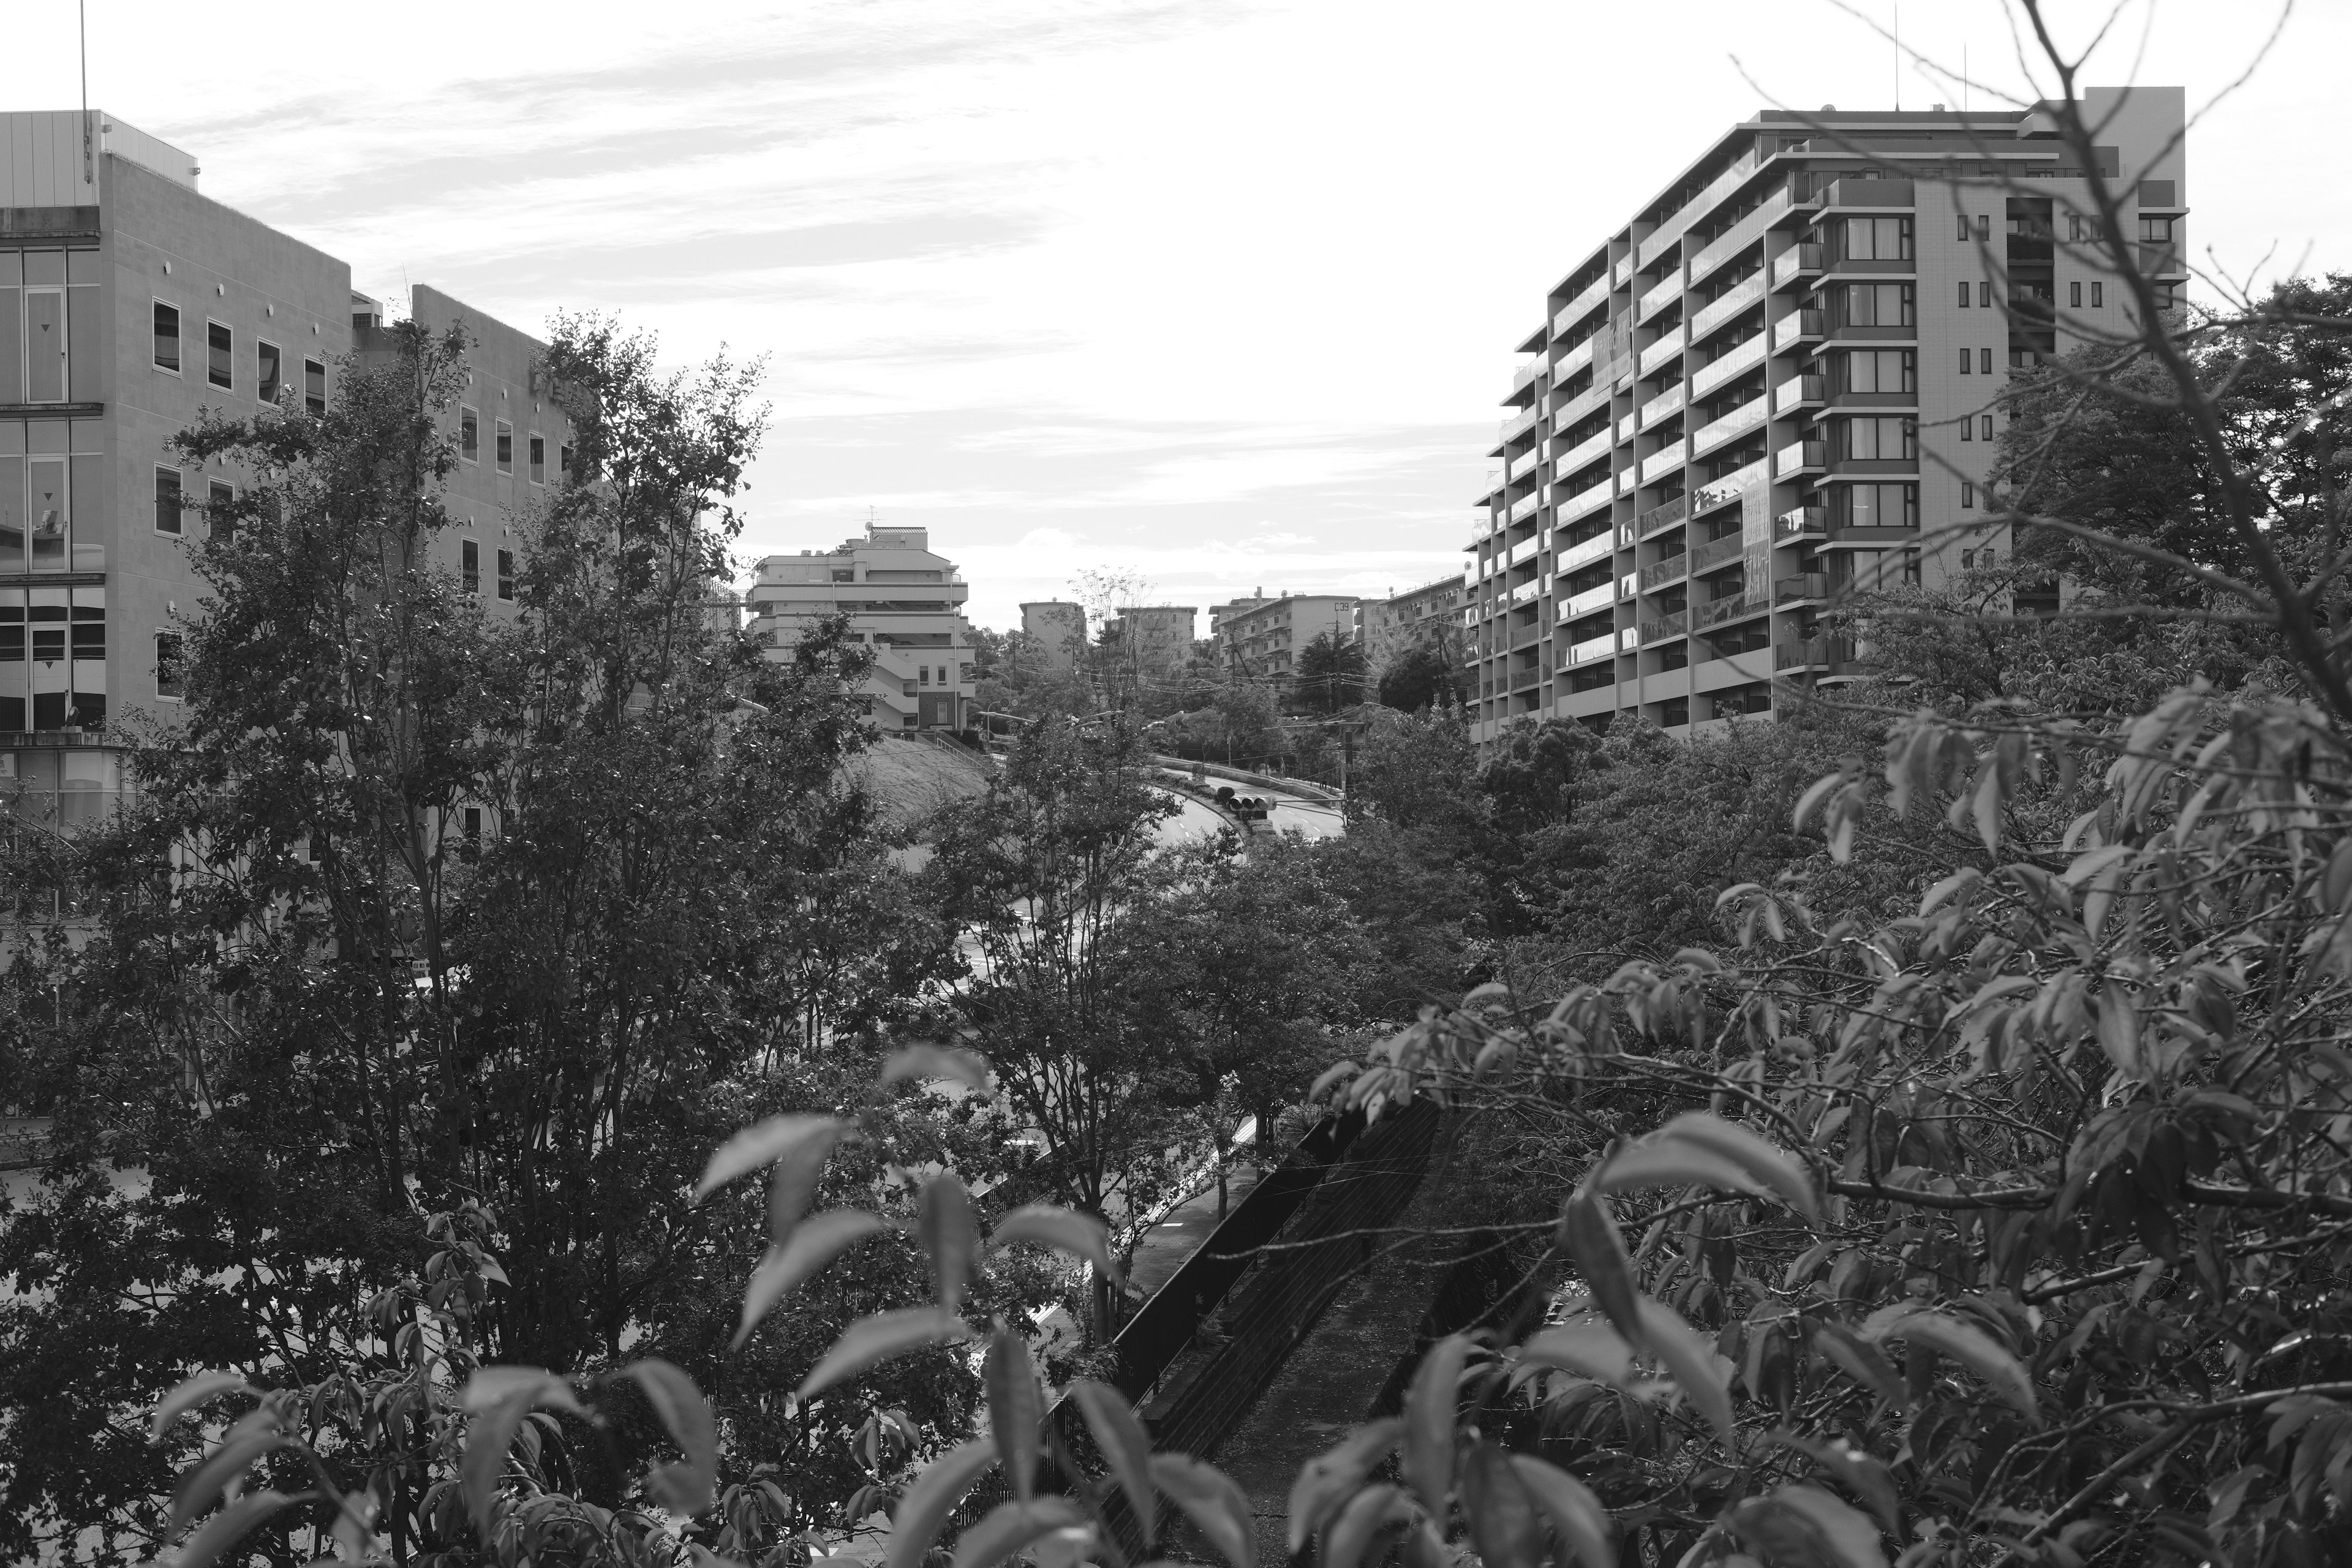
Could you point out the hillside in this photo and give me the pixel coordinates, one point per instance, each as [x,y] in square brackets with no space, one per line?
[914,775]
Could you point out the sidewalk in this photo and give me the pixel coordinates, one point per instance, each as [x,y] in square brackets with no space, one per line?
[1177,1237]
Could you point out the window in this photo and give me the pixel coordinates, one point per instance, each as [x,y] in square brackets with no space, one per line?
[563,461]
[89,631]
[539,460]
[2075,295]
[1880,370]
[1984,226]
[220,355]
[314,385]
[469,435]
[502,445]
[469,566]
[266,382]
[1985,357]
[2098,295]
[473,820]
[1872,305]
[168,677]
[1878,440]
[167,337]
[220,512]
[2156,230]
[1968,495]
[1968,429]
[1964,294]
[1966,359]
[1988,426]
[1874,506]
[167,500]
[1877,239]
[1963,229]
[922,675]
[506,575]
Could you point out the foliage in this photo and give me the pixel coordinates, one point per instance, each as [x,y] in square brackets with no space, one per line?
[1422,676]
[1330,674]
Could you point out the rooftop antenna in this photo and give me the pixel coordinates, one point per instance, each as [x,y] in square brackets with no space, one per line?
[88,154]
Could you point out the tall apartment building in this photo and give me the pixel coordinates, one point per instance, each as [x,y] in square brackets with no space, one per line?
[1059,630]
[1430,614]
[903,601]
[1266,638]
[129,301]
[1780,378]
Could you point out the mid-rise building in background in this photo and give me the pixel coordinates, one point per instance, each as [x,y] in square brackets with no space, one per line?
[1220,614]
[1264,639]
[902,600]
[1155,640]
[1430,614]
[128,302]
[1781,379]
[1059,630]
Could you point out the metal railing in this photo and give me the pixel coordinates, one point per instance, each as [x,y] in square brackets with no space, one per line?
[1795,328]
[1658,574]
[1670,625]
[1794,263]
[1716,552]
[1660,516]
[1802,587]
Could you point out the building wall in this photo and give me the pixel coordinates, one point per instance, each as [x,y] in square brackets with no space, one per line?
[1386,628]
[902,600]
[1266,638]
[1059,630]
[1158,637]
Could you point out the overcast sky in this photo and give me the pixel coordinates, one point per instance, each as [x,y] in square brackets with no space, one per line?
[1224,292]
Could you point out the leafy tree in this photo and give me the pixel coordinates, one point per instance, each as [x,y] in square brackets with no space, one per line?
[1330,674]
[1421,676]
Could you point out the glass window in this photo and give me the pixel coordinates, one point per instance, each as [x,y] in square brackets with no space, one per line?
[1984,295]
[50,513]
[168,676]
[1984,226]
[469,566]
[1966,359]
[314,386]
[1879,239]
[1877,305]
[2075,295]
[1880,440]
[167,337]
[469,435]
[2154,230]
[1874,506]
[539,460]
[1964,294]
[220,512]
[220,354]
[1882,369]
[506,575]
[563,461]
[503,446]
[1968,495]
[1985,358]
[167,500]
[266,382]
[1988,426]
[2098,295]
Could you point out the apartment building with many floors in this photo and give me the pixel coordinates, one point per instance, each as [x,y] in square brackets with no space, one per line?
[1779,379]
[902,601]
[1430,614]
[130,303]
[1264,639]
[1059,628]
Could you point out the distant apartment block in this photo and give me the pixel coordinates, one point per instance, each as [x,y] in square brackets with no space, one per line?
[1779,380]
[1221,613]
[1058,629]
[1157,638]
[128,302]
[1266,638]
[902,600]
[1430,615]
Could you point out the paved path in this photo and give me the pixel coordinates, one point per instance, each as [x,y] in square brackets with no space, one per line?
[1177,1237]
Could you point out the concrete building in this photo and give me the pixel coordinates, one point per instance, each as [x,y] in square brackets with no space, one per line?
[900,599]
[129,301]
[1059,630]
[1266,638]
[1780,378]
[1156,639]
[1220,614]
[1430,614]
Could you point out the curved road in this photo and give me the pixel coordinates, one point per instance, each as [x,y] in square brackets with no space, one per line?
[1289,813]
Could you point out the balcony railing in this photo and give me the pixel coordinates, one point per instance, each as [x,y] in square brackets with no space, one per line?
[1666,626]
[1715,553]
[1574,360]
[1796,392]
[1797,456]
[1794,327]
[1525,550]
[1576,309]
[1804,586]
[1717,611]
[1739,421]
[1663,573]
[1585,500]
[1794,264]
[1729,488]
[1803,523]
[1526,591]
[1591,599]
[1813,653]
[1668,402]
[1662,462]
[1527,372]
[1690,211]
[1707,377]
[1659,353]
[2161,261]
[1526,680]
[1660,297]
[1591,649]
[1585,552]
[1742,296]
[1593,446]
[1525,464]
[1525,507]
[1662,515]
[1742,234]
[1572,413]
[1516,423]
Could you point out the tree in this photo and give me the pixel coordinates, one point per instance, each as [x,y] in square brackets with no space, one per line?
[1330,674]
[1421,676]
[1253,729]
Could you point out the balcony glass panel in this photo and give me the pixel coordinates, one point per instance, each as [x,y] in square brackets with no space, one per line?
[1668,402]
[1591,599]
[1662,462]
[1659,353]
[1796,456]
[1590,550]
[1730,488]
[1585,500]
[1795,328]
[1593,446]
[1525,507]
[1593,649]
[1575,309]
[1740,299]
[1518,422]
[1660,297]
[1795,392]
[1739,421]
[1707,378]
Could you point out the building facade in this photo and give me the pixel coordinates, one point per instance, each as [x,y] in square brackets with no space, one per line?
[1781,379]
[903,601]
[130,303]
[1220,614]
[1430,615]
[1058,629]
[1155,639]
[1266,638]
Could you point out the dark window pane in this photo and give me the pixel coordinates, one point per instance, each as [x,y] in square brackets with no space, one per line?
[219,511]
[221,351]
[469,436]
[505,447]
[314,386]
[167,337]
[265,371]
[539,460]
[506,575]
[167,665]
[167,500]
[469,565]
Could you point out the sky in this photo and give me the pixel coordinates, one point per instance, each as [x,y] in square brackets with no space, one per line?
[1222,293]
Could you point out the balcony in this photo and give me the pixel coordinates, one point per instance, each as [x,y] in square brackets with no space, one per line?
[1737,423]
[1577,308]
[1797,392]
[1729,488]
[2161,261]
[1526,680]
[1526,637]
[1660,353]
[1531,371]
[1623,270]
[1872,194]
[1519,423]
[1730,608]
[1593,446]
[1803,523]
[1585,500]
[1659,297]
[1742,234]
[1664,573]
[1799,457]
[1659,463]
[1795,265]
[1707,377]
[1668,402]
[1690,211]
[1827,655]
[1524,550]
[1585,552]
[1741,297]
[1572,413]
[1526,463]
[1663,515]
[1666,626]
[1591,651]
[1796,327]
[1803,588]
[1574,360]
[1525,507]
[1527,591]
[1715,553]
[1591,599]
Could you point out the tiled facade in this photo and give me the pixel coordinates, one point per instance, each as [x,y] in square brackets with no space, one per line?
[900,599]
[1779,379]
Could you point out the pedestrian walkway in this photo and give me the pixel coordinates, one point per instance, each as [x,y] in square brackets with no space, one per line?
[1175,1238]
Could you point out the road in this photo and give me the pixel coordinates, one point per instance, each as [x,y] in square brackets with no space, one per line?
[1289,813]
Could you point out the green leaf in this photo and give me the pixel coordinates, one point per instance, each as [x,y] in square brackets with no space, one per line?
[1805,1524]
[1691,1360]
[932,1498]
[880,1337]
[355,1525]
[813,1243]
[686,1415]
[1126,1447]
[229,1526]
[762,1145]
[1590,1238]
[940,1063]
[1973,1349]
[1366,1514]
[1502,1515]
[799,1169]
[1081,1236]
[201,1486]
[1014,1408]
[1576,1515]
[1014,1527]
[1591,1350]
[499,1398]
[1860,1474]
[1764,1162]
[1331,1479]
[1217,1507]
[1860,1360]
[1429,1410]
[1677,1164]
[943,1218]
[195,1391]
